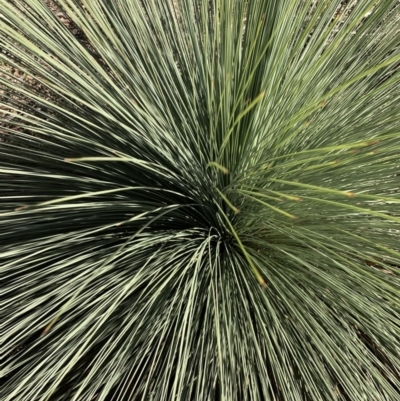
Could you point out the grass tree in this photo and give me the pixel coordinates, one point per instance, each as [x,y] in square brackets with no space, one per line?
[199,200]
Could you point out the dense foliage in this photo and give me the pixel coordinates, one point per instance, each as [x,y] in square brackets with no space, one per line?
[199,200]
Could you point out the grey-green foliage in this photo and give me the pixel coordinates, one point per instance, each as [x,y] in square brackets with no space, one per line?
[199,200]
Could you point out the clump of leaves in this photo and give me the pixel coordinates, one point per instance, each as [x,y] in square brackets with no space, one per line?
[200,200]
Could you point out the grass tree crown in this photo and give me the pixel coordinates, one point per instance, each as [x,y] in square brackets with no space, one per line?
[199,200]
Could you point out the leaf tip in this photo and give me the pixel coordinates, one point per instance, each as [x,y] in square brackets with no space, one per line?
[45,331]
[262,282]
